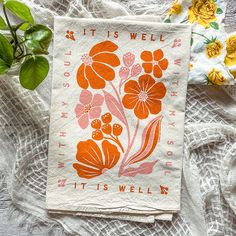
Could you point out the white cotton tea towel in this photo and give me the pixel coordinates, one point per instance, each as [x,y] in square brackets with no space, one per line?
[117,118]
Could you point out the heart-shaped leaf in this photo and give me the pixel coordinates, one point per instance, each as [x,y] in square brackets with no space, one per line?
[38,38]
[19,9]
[214,25]
[33,71]
[6,54]
[145,169]
[3,25]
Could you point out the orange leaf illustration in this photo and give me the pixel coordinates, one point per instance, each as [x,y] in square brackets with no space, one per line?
[150,137]
[91,161]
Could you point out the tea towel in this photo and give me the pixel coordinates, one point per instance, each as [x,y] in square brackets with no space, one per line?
[117,118]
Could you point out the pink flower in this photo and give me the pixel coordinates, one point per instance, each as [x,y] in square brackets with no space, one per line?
[88,108]
[136,70]
[124,72]
[128,59]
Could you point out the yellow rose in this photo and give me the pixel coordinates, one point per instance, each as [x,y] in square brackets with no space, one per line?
[215,77]
[202,11]
[233,72]
[213,49]
[175,8]
[230,58]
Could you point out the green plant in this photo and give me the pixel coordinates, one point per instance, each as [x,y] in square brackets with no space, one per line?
[23,48]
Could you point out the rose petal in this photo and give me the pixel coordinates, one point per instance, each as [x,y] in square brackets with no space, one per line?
[95,81]
[141,110]
[158,54]
[146,56]
[98,100]
[84,121]
[147,67]
[157,71]
[81,80]
[95,112]
[79,110]
[163,64]
[85,97]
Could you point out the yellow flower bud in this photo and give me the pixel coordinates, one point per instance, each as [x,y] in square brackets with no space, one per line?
[230,58]
[175,8]
[215,77]
[213,49]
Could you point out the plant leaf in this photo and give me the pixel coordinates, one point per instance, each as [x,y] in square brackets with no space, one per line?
[167,20]
[33,71]
[145,169]
[38,38]
[114,107]
[24,26]
[19,9]
[219,11]
[150,137]
[6,52]
[3,67]
[214,25]
[191,43]
[3,25]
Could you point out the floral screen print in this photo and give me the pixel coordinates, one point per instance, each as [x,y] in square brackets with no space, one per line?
[117,118]
[213,59]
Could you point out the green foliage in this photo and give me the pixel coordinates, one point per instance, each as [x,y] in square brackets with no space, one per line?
[214,25]
[6,54]
[36,40]
[3,25]
[19,9]
[33,71]
[167,20]
[219,11]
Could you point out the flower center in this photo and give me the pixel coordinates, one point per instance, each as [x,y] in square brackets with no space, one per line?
[87,108]
[104,170]
[87,60]
[143,96]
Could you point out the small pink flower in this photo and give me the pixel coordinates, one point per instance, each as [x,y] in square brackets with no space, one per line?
[128,59]
[136,70]
[88,108]
[124,72]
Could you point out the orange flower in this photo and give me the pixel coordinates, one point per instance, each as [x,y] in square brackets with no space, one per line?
[91,162]
[144,96]
[154,62]
[97,66]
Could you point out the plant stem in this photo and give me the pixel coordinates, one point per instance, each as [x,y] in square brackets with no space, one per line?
[11,30]
[202,36]
[119,100]
[124,163]
[29,54]
[117,141]
[22,42]
[13,33]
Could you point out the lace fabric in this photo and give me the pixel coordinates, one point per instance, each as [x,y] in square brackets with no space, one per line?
[208,186]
